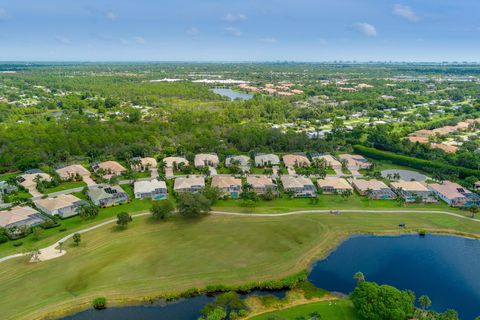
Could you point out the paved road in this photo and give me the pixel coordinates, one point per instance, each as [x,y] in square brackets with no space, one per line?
[53,246]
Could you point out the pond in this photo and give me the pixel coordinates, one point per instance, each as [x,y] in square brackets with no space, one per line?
[445,268]
[229,93]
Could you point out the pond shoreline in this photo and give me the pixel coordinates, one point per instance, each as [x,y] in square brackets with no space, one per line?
[172,297]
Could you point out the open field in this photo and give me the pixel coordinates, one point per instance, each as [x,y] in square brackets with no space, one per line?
[150,259]
[331,310]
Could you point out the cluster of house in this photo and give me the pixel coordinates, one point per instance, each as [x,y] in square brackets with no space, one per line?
[423,136]
[281,89]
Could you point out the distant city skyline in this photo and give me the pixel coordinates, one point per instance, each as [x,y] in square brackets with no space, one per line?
[248,30]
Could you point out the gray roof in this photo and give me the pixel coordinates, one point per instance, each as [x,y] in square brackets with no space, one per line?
[98,193]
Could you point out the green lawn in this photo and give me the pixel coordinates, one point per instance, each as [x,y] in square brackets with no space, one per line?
[6,176]
[328,310]
[149,258]
[66,186]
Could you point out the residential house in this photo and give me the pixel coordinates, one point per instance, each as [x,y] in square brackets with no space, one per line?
[106,196]
[192,184]
[206,159]
[28,179]
[110,168]
[6,188]
[171,162]
[355,161]
[18,217]
[454,194]
[261,183]
[143,164]
[300,186]
[374,189]
[65,205]
[295,160]
[242,161]
[72,171]
[153,189]
[330,161]
[334,185]
[266,160]
[229,186]
[411,190]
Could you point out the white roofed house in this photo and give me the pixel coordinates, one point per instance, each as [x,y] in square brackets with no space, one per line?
[243,162]
[229,186]
[174,162]
[29,180]
[106,196]
[374,189]
[206,159]
[65,205]
[334,185]
[266,160]
[261,183]
[354,161]
[153,189]
[412,191]
[300,186]
[192,184]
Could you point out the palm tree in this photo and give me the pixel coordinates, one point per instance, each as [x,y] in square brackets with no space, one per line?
[473,210]
[425,302]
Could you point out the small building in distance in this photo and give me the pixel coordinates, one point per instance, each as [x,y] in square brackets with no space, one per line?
[109,168]
[143,164]
[454,194]
[355,161]
[65,205]
[192,184]
[243,162]
[295,160]
[374,189]
[330,161]
[153,189]
[266,160]
[229,186]
[72,171]
[206,159]
[334,185]
[27,179]
[262,183]
[413,190]
[107,196]
[300,186]
[174,162]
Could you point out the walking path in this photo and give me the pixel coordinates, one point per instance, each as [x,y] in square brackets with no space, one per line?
[51,251]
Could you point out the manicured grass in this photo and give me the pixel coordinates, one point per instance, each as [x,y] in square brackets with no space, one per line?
[6,176]
[66,186]
[150,258]
[331,310]
[143,174]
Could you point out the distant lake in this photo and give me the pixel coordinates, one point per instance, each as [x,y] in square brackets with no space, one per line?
[445,268]
[229,93]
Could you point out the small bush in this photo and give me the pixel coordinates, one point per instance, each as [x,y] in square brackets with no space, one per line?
[100,303]
[62,229]
[422,233]
[17,244]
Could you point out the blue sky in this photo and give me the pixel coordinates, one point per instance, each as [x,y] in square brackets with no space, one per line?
[241,30]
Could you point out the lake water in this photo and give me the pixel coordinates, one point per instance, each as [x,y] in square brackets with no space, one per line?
[229,93]
[445,268]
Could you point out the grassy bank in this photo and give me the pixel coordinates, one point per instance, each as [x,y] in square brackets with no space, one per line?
[152,259]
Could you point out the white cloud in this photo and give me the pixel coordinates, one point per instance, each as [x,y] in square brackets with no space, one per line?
[63,40]
[3,14]
[112,16]
[366,29]
[139,40]
[229,17]
[233,31]
[193,32]
[405,12]
[268,40]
